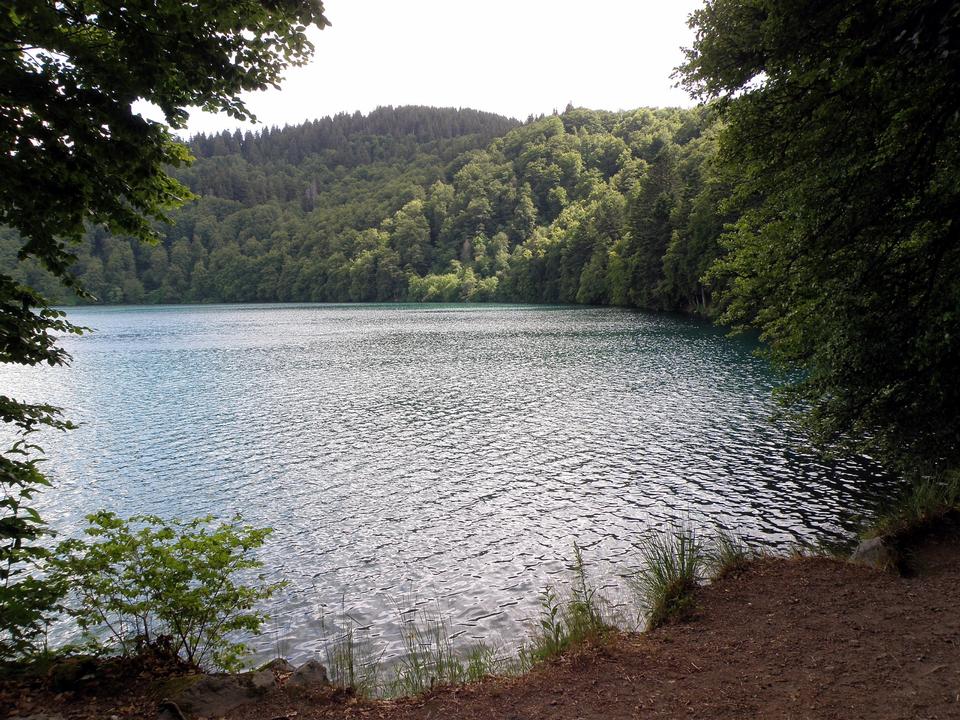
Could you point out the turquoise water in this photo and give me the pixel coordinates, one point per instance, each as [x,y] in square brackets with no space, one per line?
[429,456]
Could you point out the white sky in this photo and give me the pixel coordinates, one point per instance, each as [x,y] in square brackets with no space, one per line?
[513,57]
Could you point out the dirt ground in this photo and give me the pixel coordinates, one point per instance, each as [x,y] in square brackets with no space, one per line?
[799,638]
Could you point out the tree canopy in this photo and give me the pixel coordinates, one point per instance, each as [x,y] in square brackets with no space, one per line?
[74,154]
[433,204]
[841,136]
[72,148]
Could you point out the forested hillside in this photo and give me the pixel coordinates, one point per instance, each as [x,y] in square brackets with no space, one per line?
[418,203]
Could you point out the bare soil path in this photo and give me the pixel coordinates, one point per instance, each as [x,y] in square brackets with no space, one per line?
[786,639]
[803,638]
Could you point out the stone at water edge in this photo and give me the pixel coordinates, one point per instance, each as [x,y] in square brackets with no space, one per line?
[279,666]
[261,679]
[71,673]
[213,696]
[268,675]
[876,553]
[310,674]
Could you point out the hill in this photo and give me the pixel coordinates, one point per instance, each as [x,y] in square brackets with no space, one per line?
[416,203]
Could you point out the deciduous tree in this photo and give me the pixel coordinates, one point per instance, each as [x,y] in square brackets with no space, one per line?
[842,135]
[74,153]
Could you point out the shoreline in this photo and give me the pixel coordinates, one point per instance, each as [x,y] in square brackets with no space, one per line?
[805,636]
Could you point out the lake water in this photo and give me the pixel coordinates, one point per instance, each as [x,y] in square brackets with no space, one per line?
[429,456]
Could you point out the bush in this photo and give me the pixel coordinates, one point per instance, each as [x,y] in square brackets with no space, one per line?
[145,581]
[29,601]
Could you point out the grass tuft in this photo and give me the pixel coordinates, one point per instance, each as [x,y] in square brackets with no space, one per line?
[829,549]
[924,504]
[665,584]
[565,622]
[430,660]
[350,658]
[728,554]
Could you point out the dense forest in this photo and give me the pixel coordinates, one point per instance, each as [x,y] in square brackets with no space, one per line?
[428,204]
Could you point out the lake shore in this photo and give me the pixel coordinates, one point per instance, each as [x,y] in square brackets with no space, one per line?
[805,637]
[453,453]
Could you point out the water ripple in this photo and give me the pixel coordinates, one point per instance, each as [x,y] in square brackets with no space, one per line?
[408,456]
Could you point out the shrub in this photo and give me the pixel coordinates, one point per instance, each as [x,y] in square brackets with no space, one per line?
[146,581]
[29,601]
[671,563]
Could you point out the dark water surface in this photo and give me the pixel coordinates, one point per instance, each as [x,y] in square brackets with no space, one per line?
[442,456]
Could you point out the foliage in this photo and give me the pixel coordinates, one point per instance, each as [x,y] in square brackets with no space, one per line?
[584,615]
[75,151]
[550,639]
[27,603]
[671,564]
[841,136]
[433,204]
[145,580]
[75,155]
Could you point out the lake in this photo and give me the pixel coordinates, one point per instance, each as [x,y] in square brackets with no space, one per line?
[430,456]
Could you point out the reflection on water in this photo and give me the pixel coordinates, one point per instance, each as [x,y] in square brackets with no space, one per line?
[428,454]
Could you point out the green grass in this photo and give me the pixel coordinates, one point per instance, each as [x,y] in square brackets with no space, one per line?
[350,657]
[583,615]
[922,505]
[671,565]
[353,663]
[830,549]
[728,554]
[565,622]
[430,659]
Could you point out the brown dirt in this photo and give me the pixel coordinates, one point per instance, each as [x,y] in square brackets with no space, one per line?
[800,638]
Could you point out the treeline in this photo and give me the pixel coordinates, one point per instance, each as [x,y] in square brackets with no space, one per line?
[429,204]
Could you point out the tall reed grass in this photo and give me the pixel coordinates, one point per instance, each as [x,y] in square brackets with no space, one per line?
[566,622]
[727,554]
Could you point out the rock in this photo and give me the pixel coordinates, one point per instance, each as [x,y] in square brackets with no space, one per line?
[38,716]
[311,674]
[279,666]
[216,695]
[71,673]
[168,710]
[260,680]
[876,553]
[268,675]
[212,696]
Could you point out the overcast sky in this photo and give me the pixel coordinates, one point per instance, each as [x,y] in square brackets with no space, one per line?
[514,57]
